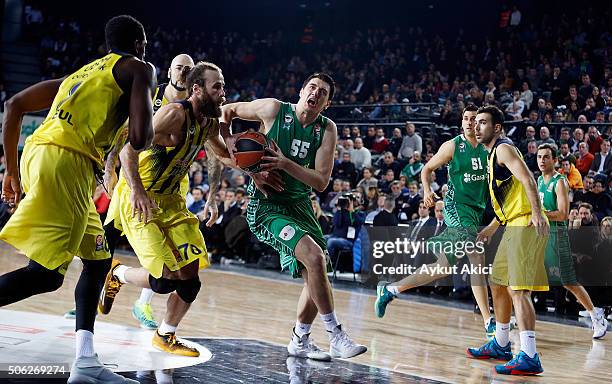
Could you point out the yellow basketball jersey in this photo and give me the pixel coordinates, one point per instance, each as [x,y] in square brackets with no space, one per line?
[163,168]
[159,100]
[508,195]
[85,116]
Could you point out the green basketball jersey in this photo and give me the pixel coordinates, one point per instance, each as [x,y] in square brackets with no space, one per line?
[297,143]
[548,194]
[467,174]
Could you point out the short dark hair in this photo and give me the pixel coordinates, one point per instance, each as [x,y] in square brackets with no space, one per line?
[553,149]
[326,78]
[469,108]
[586,205]
[121,32]
[565,129]
[196,74]
[496,114]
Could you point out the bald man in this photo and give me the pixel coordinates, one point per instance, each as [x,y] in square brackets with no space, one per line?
[165,93]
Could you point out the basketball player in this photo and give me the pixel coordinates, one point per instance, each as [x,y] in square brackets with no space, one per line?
[57,219]
[518,268]
[554,194]
[164,94]
[464,206]
[304,152]
[152,211]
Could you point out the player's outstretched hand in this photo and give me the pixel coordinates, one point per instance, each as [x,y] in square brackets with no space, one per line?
[430,199]
[540,224]
[276,160]
[210,207]
[11,190]
[142,204]
[487,233]
[265,180]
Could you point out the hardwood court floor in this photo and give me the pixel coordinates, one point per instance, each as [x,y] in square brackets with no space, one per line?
[422,340]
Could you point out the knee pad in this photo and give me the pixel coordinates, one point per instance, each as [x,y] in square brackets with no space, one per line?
[162,285]
[188,290]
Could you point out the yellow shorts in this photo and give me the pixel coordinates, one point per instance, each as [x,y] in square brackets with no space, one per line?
[171,238]
[519,261]
[112,215]
[57,219]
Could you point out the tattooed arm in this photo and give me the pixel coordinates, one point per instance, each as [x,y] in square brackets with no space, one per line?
[215,169]
[112,160]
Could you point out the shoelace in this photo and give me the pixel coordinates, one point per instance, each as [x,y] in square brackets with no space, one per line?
[344,339]
[311,345]
[174,342]
[113,288]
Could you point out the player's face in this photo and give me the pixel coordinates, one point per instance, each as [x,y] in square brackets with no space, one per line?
[177,73]
[212,96]
[485,130]
[545,161]
[468,123]
[315,95]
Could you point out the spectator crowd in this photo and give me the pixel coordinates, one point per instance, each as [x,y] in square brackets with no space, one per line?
[551,75]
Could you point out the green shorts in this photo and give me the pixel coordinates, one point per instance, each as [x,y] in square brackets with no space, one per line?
[558,258]
[459,237]
[281,226]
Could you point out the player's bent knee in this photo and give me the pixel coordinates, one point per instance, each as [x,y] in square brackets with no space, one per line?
[315,261]
[55,282]
[188,290]
[162,285]
[43,279]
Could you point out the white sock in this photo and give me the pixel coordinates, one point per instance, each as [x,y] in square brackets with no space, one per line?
[84,343]
[330,321]
[528,343]
[502,333]
[146,295]
[393,289]
[165,328]
[302,329]
[119,273]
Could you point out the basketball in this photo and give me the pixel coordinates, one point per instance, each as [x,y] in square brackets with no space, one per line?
[250,147]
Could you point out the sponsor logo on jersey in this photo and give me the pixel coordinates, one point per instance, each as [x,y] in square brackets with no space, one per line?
[461,147]
[99,243]
[287,233]
[550,187]
[317,131]
[288,121]
[158,103]
[469,178]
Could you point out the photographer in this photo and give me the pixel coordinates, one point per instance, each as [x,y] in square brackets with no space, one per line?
[347,223]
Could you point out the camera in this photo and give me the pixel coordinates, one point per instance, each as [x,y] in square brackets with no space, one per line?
[343,200]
